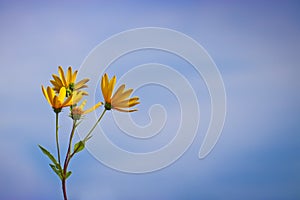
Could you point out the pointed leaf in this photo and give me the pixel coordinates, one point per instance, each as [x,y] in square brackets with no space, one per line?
[68,174]
[50,156]
[57,171]
[79,146]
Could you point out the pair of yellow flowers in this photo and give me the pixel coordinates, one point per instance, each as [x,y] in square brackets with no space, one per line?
[65,92]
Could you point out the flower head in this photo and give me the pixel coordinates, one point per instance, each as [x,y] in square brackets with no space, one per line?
[78,111]
[119,101]
[59,101]
[68,81]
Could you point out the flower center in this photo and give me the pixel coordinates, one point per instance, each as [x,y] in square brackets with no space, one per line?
[108,106]
[71,86]
[70,89]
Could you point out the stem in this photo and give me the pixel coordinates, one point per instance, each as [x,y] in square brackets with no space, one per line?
[64,189]
[92,129]
[56,136]
[69,155]
[67,160]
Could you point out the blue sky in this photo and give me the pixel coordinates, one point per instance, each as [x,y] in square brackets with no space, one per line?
[255,45]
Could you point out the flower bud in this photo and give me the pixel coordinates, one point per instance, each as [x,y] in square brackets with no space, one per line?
[76,113]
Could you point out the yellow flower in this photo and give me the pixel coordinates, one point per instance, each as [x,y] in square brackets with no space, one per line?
[78,111]
[120,99]
[59,101]
[68,81]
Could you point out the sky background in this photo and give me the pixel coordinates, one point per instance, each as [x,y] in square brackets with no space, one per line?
[255,45]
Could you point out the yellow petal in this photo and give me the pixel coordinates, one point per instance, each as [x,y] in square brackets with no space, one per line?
[82,105]
[104,84]
[123,96]
[68,101]
[56,89]
[93,108]
[111,86]
[54,83]
[62,94]
[127,103]
[133,104]
[79,88]
[62,76]
[118,92]
[122,110]
[51,94]
[74,76]
[81,83]
[133,101]
[57,80]
[46,95]
[69,75]
[84,93]
[76,97]
[73,99]
[106,80]
[56,103]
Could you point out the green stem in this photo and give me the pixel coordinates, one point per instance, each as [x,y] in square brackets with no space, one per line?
[92,129]
[56,136]
[68,155]
[67,160]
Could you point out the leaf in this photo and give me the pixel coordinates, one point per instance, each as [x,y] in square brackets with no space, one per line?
[68,174]
[56,170]
[79,146]
[47,153]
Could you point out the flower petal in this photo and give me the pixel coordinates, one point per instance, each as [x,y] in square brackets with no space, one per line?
[57,80]
[54,84]
[69,75]
[62,76]
[82,104]
[127,103]
[118,92]
[93,108]
[56,103]
[46,95]
[68,102]
[111,86]
[76,97]
[104,86]
[62,94]
[51,94]
[122,110]
[122,96]
[84,93]
[81,83]
[74,76]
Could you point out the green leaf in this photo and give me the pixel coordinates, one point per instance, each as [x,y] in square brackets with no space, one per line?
[47,153]
[79,146]
[68,174]
[58,171]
